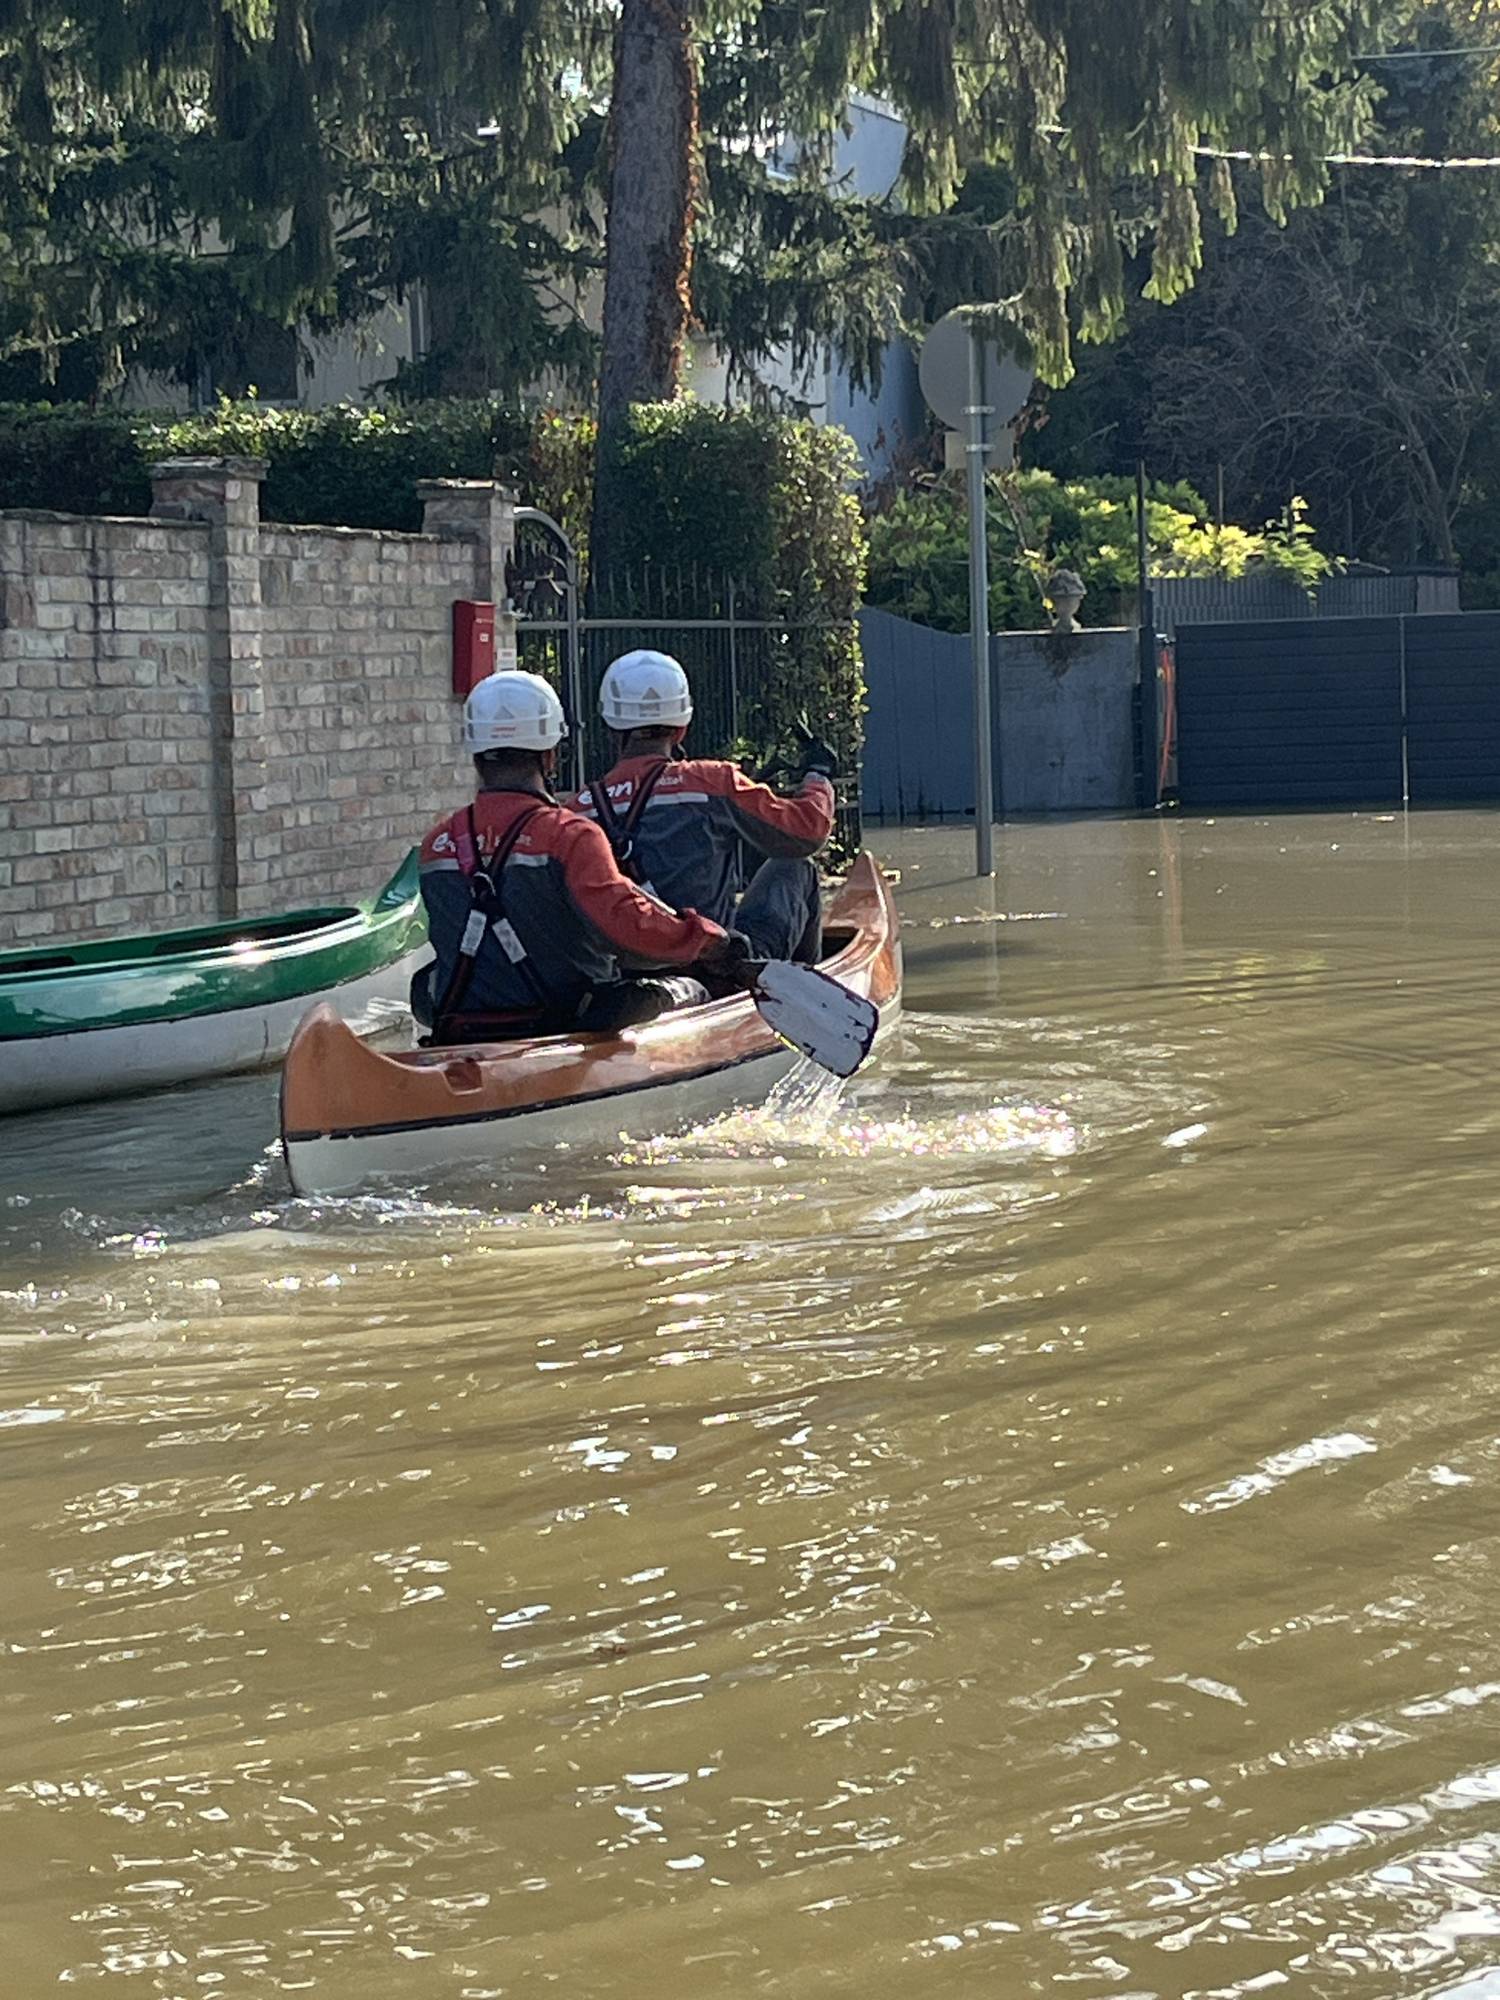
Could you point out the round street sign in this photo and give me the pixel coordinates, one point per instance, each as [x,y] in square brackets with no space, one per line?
[943,371]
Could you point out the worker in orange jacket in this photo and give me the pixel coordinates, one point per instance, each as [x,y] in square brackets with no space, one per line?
[528,911]
[677,824]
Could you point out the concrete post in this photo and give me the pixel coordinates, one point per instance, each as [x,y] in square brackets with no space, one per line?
[225,492]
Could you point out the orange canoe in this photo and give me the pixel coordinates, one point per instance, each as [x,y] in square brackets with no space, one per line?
[352,1117]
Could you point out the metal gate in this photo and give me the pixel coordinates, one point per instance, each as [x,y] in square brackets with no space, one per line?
[735,658]
[1282,714]
[1341,711]
[1453,708]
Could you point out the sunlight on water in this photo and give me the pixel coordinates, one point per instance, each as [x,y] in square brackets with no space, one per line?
[813,1113]
[851,1135]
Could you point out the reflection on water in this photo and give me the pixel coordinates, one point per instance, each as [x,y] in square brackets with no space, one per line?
[1019,1523]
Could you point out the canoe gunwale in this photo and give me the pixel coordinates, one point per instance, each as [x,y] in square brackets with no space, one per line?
[98,997]
[225,941]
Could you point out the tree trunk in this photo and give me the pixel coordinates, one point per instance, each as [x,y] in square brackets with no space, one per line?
[653,137]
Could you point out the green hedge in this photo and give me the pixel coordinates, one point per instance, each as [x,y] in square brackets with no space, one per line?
[770,501]
[72,459]
[347,467]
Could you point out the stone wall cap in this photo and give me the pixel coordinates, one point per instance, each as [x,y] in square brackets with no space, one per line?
[50,515]
[207,468]
[438,487]
[1042,635]
[335,532]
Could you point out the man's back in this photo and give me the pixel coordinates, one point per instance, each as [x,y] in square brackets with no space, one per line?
[686,839]
[568,910]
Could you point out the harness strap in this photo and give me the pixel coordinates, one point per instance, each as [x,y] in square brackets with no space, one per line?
[486,911]
[465,841]
[619,828]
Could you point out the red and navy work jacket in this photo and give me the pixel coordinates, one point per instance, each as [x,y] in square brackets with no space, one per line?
[566,907]
[685,845]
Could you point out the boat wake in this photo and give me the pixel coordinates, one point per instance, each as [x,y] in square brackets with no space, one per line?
[813,1115]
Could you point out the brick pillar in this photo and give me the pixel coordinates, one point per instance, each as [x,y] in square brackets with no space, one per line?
[225,492]
[478,511]
[481,512]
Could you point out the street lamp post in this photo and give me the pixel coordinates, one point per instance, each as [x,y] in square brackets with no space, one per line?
[978,452]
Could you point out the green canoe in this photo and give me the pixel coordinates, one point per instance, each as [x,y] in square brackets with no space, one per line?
[137,1013]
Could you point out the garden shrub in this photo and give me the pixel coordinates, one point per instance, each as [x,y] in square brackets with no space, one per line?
[919,550]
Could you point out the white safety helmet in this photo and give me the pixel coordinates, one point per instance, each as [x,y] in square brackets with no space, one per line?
[646,690]
[513,711]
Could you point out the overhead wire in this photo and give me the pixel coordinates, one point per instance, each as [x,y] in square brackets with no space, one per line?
[1428,55]
[1412,163]
[1409,163]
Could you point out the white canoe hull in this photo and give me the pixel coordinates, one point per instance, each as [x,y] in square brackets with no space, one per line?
[418,1155]
[37,1072]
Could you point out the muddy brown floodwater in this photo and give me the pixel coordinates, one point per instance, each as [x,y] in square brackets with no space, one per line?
[1026,1527]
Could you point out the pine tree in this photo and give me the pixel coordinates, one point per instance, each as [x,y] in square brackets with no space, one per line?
[337,147]
[1074,97]
[178,170]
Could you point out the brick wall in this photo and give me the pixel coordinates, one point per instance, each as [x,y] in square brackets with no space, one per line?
[106,738]
[202,717]
[360,757]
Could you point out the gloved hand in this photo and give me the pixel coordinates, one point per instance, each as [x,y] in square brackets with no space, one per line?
[821,758]
[815,754]
[730,954]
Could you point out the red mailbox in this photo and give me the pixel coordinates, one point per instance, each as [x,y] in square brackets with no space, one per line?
[473,645]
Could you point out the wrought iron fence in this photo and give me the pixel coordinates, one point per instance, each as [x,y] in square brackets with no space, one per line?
[711,622]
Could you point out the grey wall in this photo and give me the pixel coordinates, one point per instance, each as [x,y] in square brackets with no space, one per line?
[1064,721]
[1178,601]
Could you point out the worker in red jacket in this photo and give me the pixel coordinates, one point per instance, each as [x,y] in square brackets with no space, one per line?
[676,824]
[527,910]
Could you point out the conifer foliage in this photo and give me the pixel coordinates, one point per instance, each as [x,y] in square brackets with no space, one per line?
[182,172]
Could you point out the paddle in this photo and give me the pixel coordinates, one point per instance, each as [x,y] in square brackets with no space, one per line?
[814,1014]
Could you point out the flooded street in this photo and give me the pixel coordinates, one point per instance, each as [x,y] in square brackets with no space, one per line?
[1025,1526]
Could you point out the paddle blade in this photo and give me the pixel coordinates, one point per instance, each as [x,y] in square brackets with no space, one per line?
[816,1015]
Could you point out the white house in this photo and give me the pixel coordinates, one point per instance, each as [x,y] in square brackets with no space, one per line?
[867,162]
